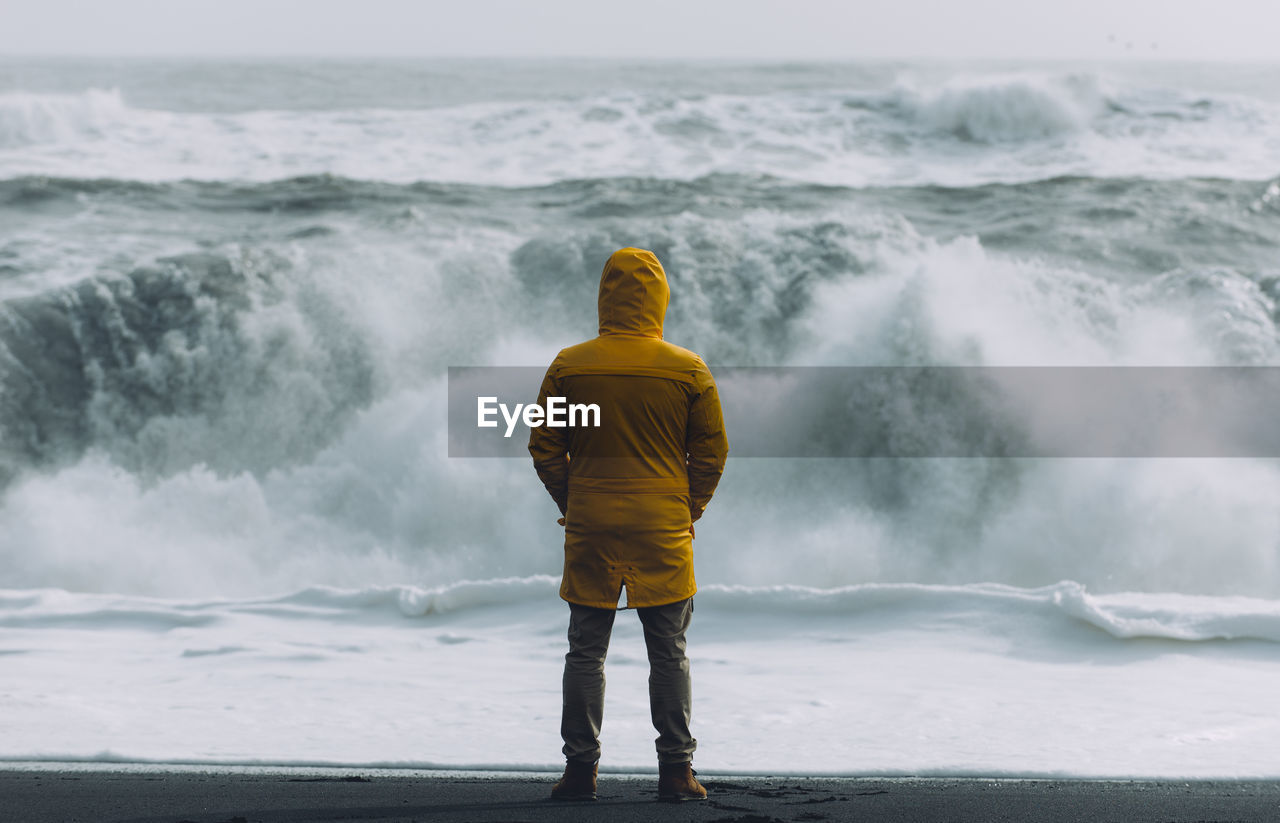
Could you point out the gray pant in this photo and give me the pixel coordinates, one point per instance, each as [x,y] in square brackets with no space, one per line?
[669,690]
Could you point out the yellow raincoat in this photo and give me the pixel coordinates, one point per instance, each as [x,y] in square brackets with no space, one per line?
[631,488]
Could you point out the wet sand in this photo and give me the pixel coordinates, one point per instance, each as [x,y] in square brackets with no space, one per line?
[85,793]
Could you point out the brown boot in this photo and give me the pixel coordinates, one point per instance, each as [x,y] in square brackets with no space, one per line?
[578,783]
[676,782]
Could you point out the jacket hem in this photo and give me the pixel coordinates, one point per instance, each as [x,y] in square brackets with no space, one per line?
[630,605]
[628,485]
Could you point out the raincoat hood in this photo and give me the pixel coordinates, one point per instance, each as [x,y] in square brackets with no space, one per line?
[633,294]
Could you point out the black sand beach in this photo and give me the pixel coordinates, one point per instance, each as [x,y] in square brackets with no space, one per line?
[85,795]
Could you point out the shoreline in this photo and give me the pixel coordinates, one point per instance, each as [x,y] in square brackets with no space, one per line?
[171,793]
[391,770]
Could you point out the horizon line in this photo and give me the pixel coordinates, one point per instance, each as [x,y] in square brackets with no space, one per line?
[1144,58]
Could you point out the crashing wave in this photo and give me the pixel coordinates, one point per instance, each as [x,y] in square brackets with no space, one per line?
[29,119]
[997,109]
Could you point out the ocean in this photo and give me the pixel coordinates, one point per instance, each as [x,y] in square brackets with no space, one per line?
[230,292]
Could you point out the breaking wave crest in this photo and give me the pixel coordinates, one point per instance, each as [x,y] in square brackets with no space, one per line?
[255,418]
[28,119]
[1056,608]
[225,361]
[992,109]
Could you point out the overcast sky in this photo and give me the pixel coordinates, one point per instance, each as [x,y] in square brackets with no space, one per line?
[817,29]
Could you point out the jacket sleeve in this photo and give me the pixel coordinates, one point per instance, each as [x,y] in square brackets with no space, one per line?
[549,448]
[706,445]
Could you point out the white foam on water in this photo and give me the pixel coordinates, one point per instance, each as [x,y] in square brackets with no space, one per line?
[864,680]
[963,130]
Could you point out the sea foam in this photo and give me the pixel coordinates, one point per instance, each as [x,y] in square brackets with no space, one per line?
[962,130]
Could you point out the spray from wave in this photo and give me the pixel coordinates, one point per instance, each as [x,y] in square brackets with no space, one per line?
[28,119]
[253,420]
[1021,107]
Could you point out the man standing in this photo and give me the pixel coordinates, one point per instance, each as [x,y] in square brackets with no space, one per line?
[630,491]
